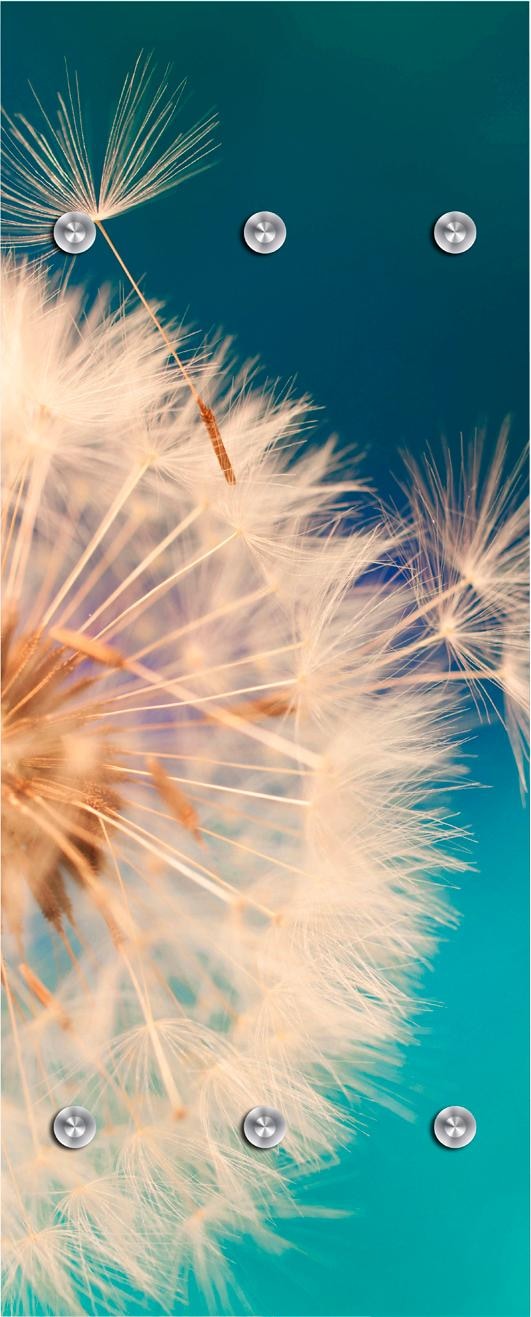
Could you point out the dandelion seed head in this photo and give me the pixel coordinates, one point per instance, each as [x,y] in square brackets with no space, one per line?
[232,709]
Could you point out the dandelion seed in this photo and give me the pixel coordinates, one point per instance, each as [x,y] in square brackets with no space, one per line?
[472,582]
[48,173]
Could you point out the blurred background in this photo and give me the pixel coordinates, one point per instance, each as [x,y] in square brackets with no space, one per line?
[360,124]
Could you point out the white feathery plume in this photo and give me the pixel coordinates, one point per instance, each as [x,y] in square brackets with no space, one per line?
[472,577]
[47,173]
[48,169]
[70,375]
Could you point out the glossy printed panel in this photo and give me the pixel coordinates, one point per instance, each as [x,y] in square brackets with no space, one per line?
[265,602]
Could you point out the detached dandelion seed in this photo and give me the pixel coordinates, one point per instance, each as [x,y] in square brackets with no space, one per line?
[48,173]
[231,712]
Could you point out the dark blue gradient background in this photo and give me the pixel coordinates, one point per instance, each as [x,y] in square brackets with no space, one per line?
[360,124]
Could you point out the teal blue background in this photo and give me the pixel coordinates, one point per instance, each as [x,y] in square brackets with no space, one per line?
[360,124]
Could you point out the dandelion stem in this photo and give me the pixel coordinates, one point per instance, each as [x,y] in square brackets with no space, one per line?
[272,739]
[207,415]
[22,545]
[143,997]
[250,850]
[196,700]
[207,672]
[223,890]
[215,786]
[107,521]
[204,619]
[21,482]
[406,621]
[143,565]
[219,763]
[106,559]
[431,678]
[226,810]
[145,600]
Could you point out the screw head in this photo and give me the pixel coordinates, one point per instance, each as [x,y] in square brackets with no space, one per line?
[264,232]
[74,232]
[454,1127]
[264,1127]
[74,1127]
[455,232]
